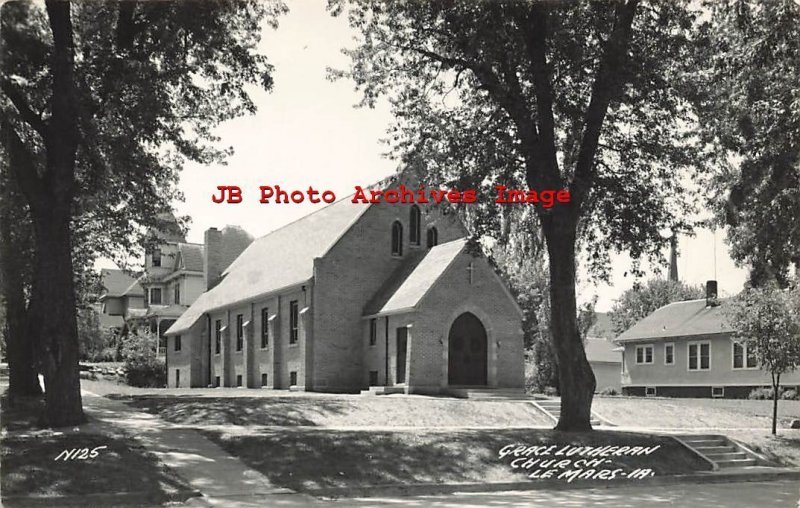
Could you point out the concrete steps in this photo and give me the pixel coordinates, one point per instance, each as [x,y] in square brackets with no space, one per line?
[486,393]
[552,408]
[720,450]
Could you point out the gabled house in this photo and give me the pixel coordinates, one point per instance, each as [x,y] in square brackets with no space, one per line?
[121,295]
[354,296]
[687,349]
[603,355]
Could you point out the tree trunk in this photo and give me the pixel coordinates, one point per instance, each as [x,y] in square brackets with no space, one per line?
[776,384]
[576,379]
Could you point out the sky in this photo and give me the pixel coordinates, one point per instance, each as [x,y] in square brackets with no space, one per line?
[307,131]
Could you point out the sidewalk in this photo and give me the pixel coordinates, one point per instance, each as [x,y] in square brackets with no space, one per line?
[223,480]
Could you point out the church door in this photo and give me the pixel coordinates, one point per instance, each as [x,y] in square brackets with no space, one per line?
[402,346]
[467,352]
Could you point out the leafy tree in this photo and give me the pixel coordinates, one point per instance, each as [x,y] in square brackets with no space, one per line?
[748,70]
[102,103]
[768,319]
[641,301]
[582,95]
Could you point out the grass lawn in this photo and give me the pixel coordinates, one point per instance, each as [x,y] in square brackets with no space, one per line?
[310,459]
[694,413]
[400,411]
[783,448]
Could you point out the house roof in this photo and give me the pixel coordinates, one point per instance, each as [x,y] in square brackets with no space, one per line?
[680,319]
[117,283]
[599,349]
[191,256]
[234,241]
[107,321]
[411,282]
[602,327]
[280,259]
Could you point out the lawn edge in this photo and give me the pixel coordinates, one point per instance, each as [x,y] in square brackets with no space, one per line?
[104,499]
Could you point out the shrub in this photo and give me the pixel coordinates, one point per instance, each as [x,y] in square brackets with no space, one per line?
[143,367]
[550,391]
[764,393]
[789,395]
[609,391]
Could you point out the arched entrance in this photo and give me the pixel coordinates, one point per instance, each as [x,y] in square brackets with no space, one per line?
[467,352]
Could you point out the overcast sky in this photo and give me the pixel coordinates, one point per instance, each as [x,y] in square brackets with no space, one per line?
[307,132]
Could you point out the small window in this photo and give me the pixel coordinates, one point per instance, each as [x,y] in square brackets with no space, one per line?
[264,379]
[238,380]
[177,343]
[239,332]
[373,331]
[433,237]
[373,378]
[644,355]
[217,336]
[699,355]
[264,328]
[397,239]
[177,378]
[414,225]
[155,296]
[216,381]
[650,391]
[177,294]
[669,354]
[293,378]
[294,320]
[717,391]
[156,257]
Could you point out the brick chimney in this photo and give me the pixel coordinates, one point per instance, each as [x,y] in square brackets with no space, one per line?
[212,257]
[711,293]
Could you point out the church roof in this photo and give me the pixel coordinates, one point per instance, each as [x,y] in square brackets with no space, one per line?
[412,281]
[280,259]
[679,319]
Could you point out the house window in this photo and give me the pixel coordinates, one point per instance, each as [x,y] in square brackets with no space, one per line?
[177,378]
[177,343]
[717,391]
[238,380]
[373,378]
[216,381]
[156,257]
[217,336]
[744,356]
[373,331]
[669,354]
[650,391]
[155,296]
[293,322]
[264,328]
[433,237]
[644,354]
[177,294]
[397,239]
[264,379]
[414,236]
[699,356]
[239,332]
[293,378]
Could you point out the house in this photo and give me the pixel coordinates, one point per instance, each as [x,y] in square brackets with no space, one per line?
[121,295]
[354,296]
[687,349]
[603,355]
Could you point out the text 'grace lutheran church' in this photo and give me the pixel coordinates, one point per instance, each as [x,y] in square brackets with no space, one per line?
[354,296]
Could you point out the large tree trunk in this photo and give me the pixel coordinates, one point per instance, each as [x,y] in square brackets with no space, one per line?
[576,379]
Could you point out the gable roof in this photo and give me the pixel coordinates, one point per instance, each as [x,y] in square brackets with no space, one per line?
[191,257]
[412,281]
[280,259]
[117,283]
[602,327]
[599,349]
[680,319]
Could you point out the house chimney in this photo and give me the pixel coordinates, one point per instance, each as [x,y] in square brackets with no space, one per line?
[711,293]
[673,257]
[212,257]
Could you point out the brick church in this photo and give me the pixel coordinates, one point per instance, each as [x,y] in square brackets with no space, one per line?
[354,297]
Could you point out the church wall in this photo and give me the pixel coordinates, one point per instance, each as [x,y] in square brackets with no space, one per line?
[348,277]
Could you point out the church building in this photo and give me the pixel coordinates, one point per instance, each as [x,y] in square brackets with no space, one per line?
[351,297]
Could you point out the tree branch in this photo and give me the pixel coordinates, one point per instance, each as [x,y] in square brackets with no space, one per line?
[22,165]
[26,113]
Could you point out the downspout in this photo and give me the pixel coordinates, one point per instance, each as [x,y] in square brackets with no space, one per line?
[386,351]
[210,350]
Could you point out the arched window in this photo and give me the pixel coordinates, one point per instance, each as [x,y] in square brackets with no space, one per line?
[397,239]
[433,237]
[414,236]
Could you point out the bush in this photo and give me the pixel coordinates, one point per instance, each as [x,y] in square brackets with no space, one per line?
[609,391]
[550,391]
[765,393]
[789,395]
[143,367]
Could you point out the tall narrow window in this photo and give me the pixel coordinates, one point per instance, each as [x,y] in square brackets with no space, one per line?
[433,237]
[239,331]
[293,322]
[397,239]
[177,295]
[217,336]
[156,257]
[373,331]
[414,236]
[177,343]
[264,327]
[155,296]
[669,354]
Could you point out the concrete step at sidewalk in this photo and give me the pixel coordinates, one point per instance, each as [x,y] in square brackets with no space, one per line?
[706,450]
[717,457]
[736,463]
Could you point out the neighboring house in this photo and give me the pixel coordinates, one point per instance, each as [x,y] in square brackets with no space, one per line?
[354,296]
[122,295]
[603,355]
[686,349]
